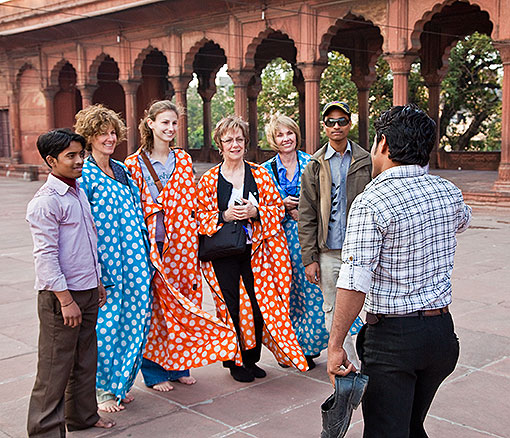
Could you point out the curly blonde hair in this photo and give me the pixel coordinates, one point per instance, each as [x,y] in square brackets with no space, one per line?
[273,127]
[146,133]
[229,123]
[95,120]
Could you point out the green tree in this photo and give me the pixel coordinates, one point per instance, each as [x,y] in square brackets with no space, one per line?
[222,104]
[195,117]
[336,82]
[277,96]
[381,92]
[471,96]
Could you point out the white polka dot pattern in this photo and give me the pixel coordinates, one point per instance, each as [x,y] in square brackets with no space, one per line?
[182,335]
[270,264]
[123,322]
[306,300]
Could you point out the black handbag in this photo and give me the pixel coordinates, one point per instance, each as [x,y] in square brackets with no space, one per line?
[229,240]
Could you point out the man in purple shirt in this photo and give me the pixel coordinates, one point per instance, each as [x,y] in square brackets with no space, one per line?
[67,278]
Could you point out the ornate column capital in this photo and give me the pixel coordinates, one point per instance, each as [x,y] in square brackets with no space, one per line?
[364,82]
[504,50]
[180,82]
[241,78]
[87,89]
[311,71]
[400,63]
[130,86]
[50,91]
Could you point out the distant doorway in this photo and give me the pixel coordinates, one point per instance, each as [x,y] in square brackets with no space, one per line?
[5,138]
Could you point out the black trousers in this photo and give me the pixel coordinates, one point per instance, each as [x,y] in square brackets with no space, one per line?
[229,271]
[406,360]
[65,386]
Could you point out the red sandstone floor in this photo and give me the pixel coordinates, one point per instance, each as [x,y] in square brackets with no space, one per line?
[473,402]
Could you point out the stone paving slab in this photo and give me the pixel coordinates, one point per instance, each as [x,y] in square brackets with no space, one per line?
[473,402]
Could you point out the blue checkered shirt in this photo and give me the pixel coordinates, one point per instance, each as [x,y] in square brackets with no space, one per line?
[401,240]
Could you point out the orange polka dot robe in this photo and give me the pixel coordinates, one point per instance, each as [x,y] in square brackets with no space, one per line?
[181,336]
[271,267]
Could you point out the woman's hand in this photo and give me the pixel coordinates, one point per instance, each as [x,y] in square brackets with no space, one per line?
[294,214]
[290,203]
[240,212]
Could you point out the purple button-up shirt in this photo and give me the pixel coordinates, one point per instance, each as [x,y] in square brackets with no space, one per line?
[64,235]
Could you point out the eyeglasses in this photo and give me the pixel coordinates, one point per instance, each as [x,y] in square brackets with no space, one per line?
[230,141]
[342,121]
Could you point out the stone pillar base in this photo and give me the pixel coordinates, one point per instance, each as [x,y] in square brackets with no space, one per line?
[501,186]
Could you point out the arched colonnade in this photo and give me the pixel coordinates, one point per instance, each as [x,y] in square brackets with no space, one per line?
[129,69]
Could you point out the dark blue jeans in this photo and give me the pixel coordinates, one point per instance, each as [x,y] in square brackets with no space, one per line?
[406,360]
[154,373]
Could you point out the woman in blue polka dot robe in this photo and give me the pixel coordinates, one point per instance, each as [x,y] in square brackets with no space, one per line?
[306,299]
[123,323]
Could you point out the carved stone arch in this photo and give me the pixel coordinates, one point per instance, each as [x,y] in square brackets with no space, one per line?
[26,66]
[351,22]
[94,67]
[140,59]
[438,8]
[190,56]
[251,50]
[55,72]
[205,58]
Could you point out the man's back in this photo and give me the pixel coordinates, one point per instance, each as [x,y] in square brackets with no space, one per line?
[415,219]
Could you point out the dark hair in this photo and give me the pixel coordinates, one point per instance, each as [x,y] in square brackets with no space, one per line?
[54,142]
[410,134]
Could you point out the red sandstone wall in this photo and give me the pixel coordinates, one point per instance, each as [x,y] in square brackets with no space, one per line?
[32,115]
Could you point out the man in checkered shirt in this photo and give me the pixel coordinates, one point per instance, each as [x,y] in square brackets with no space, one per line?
[397,262]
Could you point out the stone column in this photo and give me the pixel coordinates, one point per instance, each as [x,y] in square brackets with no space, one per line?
[299,83]
[206,94]
[87,93]
[130,88]
[180,84]
[15,123]
[253,92]
[503,181]
[49,97]
[241,80]
[433,110]
[363,84]
[400,65]
[312,76]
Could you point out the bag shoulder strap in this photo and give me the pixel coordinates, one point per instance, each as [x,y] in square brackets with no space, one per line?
[151,170]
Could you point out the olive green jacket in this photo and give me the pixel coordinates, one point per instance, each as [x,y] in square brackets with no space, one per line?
[315,198]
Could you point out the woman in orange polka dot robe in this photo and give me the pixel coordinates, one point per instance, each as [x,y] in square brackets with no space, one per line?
[252,289]
[181,336]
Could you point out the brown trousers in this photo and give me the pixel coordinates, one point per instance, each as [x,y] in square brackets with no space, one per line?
[65,386]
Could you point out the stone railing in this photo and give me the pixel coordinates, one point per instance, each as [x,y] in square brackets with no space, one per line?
[469,160]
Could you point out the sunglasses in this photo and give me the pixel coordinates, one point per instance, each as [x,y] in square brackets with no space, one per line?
[342,121]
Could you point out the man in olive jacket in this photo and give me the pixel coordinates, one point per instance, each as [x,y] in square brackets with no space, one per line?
[335,175]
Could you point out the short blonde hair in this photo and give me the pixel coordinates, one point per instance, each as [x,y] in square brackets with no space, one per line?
[146,133]
[95,120]
[230,123]
[273,126]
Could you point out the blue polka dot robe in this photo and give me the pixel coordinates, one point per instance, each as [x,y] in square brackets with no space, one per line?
[306,299]
[123,322]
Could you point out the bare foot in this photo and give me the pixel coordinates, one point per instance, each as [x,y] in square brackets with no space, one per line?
[163,386]
[128,399]
[105,423]
[110,406]
[187,380]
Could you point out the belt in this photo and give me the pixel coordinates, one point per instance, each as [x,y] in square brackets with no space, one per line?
[374,318]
